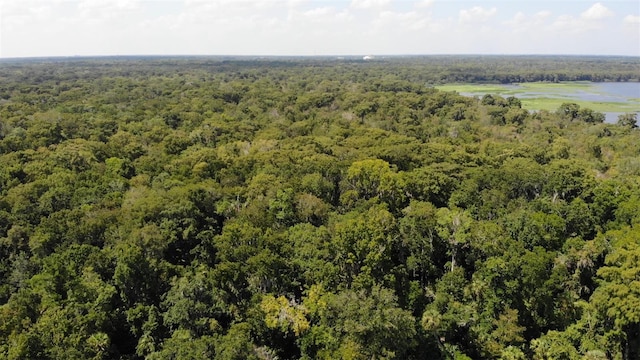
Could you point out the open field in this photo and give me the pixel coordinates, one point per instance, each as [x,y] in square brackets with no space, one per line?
[549,96]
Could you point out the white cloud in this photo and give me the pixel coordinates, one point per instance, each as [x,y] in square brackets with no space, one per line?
[16,16]
[589,20]
[106,9]
[632,19]
[391,21]
[541,15]
[424,3]
[319,12]
[367,4]
[256,3]
[15,8]
[568,23]
[596,12]
[322,15]
[519,22]
[311,27]
[530,24]
[476,14]
[101,4]
[222,8]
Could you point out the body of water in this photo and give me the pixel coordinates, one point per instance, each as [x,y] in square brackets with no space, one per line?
[609,92]
[620,90]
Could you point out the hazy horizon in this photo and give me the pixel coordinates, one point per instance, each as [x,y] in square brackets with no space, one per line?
[327,56]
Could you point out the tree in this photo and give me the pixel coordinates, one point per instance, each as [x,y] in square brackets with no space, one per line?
[421,244]
[629,120]
[367,179]
[453,226]
[514,102]
[618,296]
[312,254]
[450,316]
[553,345]
[364,244]
[590,116]
[184,345]
[236,344]
[195,304]
[516,116]
[361,324]
[284,315]
[506,332]
[569,111]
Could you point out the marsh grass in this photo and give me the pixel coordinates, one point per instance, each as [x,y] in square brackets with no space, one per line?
[551,95]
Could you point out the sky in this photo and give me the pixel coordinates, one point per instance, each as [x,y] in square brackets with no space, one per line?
[37,28]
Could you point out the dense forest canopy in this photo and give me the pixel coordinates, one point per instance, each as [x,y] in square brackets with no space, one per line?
[233,208]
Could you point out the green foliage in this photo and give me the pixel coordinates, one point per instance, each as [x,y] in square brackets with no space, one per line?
[628,120]
[357,324]
[368,179]
[618,296]
[195,304]
[317,209]
[281,314]
[553,346]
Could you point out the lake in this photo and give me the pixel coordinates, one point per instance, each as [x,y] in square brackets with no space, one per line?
[610,98]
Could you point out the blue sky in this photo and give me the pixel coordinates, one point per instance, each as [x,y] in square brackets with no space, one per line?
[317,27]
